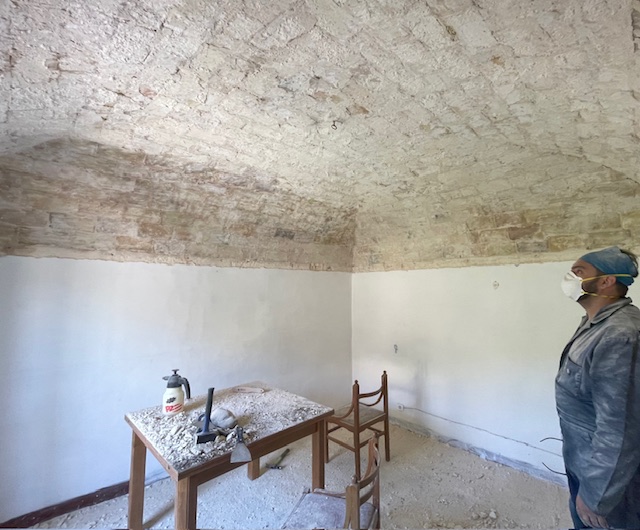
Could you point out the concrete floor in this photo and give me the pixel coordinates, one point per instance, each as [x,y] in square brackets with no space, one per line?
[427,484]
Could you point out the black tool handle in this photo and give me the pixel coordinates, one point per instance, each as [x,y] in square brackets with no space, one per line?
[285,453]
[207,410]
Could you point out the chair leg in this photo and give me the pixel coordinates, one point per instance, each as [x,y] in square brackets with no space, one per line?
[356,450]
[387,450]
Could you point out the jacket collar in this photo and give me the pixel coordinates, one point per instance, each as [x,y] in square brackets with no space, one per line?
[608,310]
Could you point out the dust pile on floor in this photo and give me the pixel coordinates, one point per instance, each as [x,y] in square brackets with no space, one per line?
[427,484]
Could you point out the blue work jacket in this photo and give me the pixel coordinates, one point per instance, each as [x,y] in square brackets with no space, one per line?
[598,404]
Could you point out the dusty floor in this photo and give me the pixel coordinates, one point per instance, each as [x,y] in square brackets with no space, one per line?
[426,484]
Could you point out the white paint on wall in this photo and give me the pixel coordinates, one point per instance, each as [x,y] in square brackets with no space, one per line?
[471,354]
[84,342]
[477,352]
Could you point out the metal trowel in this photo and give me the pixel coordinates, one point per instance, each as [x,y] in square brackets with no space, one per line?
[240,452]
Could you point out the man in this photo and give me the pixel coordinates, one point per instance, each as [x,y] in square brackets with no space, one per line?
[598,393]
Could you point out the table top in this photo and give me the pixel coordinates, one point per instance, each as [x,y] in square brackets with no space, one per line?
[260,414]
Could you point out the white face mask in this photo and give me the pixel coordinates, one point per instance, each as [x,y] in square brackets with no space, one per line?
[571,286]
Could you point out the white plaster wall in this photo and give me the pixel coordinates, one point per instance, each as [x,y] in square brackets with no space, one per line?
[83,342]
[478,350]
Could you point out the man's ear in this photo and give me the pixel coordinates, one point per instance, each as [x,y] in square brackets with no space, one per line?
[608,281]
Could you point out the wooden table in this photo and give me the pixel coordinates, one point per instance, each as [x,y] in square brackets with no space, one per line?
[271,420]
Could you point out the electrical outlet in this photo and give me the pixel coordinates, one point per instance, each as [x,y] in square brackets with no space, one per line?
[400,406]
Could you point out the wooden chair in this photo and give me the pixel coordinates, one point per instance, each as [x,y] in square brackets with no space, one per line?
[351,509]
[359,416]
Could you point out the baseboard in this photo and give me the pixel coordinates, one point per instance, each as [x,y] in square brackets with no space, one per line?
[44,514]
[103,494]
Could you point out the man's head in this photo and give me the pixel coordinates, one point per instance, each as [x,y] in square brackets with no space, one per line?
[612,262]
[601,275]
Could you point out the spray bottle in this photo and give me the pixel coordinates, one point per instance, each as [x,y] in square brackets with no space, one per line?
[173,398]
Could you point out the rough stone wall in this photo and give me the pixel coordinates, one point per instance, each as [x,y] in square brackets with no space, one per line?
[550,210]
[87,201]
[322,134]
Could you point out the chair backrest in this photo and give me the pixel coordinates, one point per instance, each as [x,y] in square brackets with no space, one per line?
[365,489]
[370,399]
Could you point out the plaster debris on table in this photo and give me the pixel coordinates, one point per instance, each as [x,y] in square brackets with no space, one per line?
[174,436]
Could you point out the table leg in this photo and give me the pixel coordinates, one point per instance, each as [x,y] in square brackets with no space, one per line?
[186,504]
[253,469]
[317,455]
[136,482]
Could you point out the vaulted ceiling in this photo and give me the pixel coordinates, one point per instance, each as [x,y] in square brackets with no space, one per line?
[321,134]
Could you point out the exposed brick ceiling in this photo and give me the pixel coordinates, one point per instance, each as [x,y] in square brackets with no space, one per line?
[322,134]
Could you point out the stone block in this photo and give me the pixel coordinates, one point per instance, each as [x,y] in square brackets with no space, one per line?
[76,238]
[455,251]
[533,246]
[284,29]
[24,217]
[523,232]
[170,248]
[509,219]
[493,243]
[8,235]
[560,243]
[480,222]
[606,238]
[115,226]
[608,220]
[52,201]
[133,244]
[544,214]
[631,221]
[175,219]
[136,213]
[618,189]
[472,29]
[152,230]
[60,222]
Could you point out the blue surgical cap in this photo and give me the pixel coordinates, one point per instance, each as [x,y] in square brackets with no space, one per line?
[613,261]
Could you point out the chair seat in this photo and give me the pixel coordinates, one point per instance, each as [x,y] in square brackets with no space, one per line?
[320,510]
[367,415]
[368,411]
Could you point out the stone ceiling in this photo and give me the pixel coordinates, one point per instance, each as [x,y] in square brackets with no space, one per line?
[321,134]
